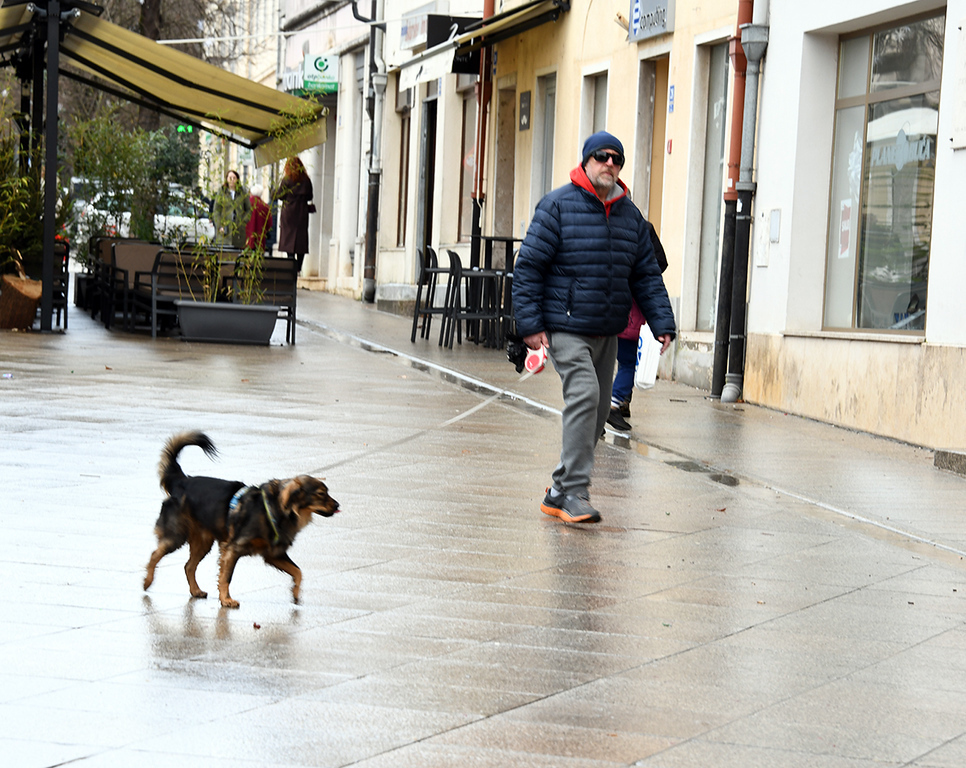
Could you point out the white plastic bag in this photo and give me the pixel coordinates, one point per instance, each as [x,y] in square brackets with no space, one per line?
[648,356]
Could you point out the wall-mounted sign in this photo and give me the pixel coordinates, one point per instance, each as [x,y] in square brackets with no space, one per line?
[440,29]
[291,81]
[415,26]
[320,74]
[650,18]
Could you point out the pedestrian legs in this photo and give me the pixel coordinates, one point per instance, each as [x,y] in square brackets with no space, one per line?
[586,368]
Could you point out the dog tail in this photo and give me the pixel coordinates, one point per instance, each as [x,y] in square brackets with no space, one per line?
[169,469]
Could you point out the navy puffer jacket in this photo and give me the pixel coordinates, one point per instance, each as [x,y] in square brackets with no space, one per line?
[578,267]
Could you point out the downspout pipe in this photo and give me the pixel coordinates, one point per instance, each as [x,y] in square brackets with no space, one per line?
[375,103]
[722,326]
[483,94]
[754,40]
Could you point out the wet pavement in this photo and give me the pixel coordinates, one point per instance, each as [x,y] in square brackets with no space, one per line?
[763,590]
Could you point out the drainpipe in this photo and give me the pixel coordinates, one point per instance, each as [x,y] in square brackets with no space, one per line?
[722,326]
[375,101]
[483,94]
[754,40]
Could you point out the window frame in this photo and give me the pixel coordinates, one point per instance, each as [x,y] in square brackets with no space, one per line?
[866,101]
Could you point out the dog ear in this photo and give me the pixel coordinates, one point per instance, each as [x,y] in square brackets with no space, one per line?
[286,490]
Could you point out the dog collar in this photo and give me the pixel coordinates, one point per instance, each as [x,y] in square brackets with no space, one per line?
[271,517]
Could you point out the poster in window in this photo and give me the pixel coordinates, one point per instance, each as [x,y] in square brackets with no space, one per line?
[845,230]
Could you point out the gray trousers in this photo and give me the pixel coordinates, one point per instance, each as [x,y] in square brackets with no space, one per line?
[586,368]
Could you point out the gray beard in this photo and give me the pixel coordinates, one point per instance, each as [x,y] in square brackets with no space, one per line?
[604,190]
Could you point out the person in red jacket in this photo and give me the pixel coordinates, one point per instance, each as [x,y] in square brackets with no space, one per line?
[260,222]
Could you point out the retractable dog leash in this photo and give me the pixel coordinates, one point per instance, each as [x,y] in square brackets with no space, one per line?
[449,422]
[527,372]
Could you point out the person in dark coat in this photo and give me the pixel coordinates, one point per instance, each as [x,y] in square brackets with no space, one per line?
[587,253]
[259,223]
[295,193]
[231,211]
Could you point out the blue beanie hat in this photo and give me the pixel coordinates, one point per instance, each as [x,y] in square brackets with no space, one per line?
[600,140]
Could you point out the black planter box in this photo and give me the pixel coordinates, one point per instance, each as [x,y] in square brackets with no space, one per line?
[226,323]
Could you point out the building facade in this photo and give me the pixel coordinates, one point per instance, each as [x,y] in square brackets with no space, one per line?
[324,53]
[858,250]
[659,76]
[428,145]
[856,167]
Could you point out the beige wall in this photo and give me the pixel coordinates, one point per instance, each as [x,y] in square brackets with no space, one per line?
[905,390]
[585,41]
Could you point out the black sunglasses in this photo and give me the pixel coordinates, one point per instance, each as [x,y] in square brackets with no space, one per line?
[602,156]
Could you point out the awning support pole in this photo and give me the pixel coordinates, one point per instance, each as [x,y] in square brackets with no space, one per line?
[50,165]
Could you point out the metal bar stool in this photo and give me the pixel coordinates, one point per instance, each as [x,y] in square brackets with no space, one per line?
[425,308]
[507,321]
[61,280]
[483,289]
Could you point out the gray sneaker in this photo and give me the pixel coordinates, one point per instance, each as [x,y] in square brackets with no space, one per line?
[574,509]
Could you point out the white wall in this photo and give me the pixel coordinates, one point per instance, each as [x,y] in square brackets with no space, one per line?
[945,322]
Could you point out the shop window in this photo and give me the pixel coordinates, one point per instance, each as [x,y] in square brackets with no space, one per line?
[883,169]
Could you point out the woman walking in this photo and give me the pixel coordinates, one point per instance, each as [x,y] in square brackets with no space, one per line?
[231,211]
[295,193]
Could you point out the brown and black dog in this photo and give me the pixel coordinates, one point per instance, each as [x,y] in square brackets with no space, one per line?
[245,520]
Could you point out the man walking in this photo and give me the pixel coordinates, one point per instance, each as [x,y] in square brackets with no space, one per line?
[587,252]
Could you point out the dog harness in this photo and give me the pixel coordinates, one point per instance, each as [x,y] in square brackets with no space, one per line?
[236,500]
[271,517]
[233,504]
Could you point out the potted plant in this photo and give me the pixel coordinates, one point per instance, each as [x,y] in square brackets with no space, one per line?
[19,297]
[21,239]
[234,307]
[230,308]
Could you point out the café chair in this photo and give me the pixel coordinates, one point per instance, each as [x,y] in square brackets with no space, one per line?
[428,280]
[473,296]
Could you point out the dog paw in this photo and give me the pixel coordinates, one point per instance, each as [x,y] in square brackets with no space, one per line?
[199,594]
[147,582]
[230,603]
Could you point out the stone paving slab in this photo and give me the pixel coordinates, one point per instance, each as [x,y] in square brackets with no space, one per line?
[763,590]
